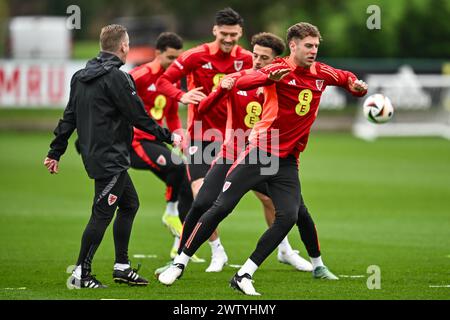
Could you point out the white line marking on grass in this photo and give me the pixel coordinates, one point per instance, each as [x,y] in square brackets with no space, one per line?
[235,265]
[144,256]
[114,299]
[21,288]
[352,276]
[445,286]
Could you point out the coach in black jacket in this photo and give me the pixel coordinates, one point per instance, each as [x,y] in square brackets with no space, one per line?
[103,106]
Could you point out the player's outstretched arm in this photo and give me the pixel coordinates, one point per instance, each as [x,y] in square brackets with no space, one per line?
[261,78]
[253,80]
[217,95]
[165,83]
[187,62]
[128,102]
[344,79]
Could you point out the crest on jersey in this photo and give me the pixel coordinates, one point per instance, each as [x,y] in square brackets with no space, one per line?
[238,65]
[112,199]
[192,150]
[226,185]
[319,84]
[161,160]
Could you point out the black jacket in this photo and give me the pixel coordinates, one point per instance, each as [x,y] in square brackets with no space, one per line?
[103,106]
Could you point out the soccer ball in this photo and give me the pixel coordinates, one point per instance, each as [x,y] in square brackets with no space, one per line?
[378,108]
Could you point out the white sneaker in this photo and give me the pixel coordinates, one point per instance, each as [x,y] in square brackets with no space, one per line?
[169,276]
[294,259]
[218,260]
[244,284]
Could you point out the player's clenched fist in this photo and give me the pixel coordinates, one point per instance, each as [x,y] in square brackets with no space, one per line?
[51,164]
[227,83]
[177,139]
[357,85]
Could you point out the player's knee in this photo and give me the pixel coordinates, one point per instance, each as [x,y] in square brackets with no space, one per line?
[268,204]
[303,214]
[201,204]
[196,185]
[131,208]
[290,217]
[135,206]
[101,216]
[223,208]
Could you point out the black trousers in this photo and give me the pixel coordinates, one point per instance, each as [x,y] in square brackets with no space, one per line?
[110,193]
[210,190]
[200,155]
[168,167]
[284,190]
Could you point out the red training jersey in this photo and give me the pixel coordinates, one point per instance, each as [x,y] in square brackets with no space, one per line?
[291,104]
[244,109]
[204,67]
[157,105]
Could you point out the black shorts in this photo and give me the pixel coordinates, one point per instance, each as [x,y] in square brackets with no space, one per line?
[154,156]
[166,165]
[262,188]
[214,183]
[200,155]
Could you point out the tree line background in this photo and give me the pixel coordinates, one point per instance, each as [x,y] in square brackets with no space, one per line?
[409,28]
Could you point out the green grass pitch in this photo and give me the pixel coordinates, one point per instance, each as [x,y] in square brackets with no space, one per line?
[384,203]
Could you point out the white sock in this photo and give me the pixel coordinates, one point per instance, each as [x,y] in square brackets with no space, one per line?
[182,258]
[176,242]
[216,246]
[285,246]
[317,262]
[249,267]
[77,272]
[121,266]
[172,208]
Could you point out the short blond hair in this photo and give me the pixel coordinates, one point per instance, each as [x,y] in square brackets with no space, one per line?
[111,36]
